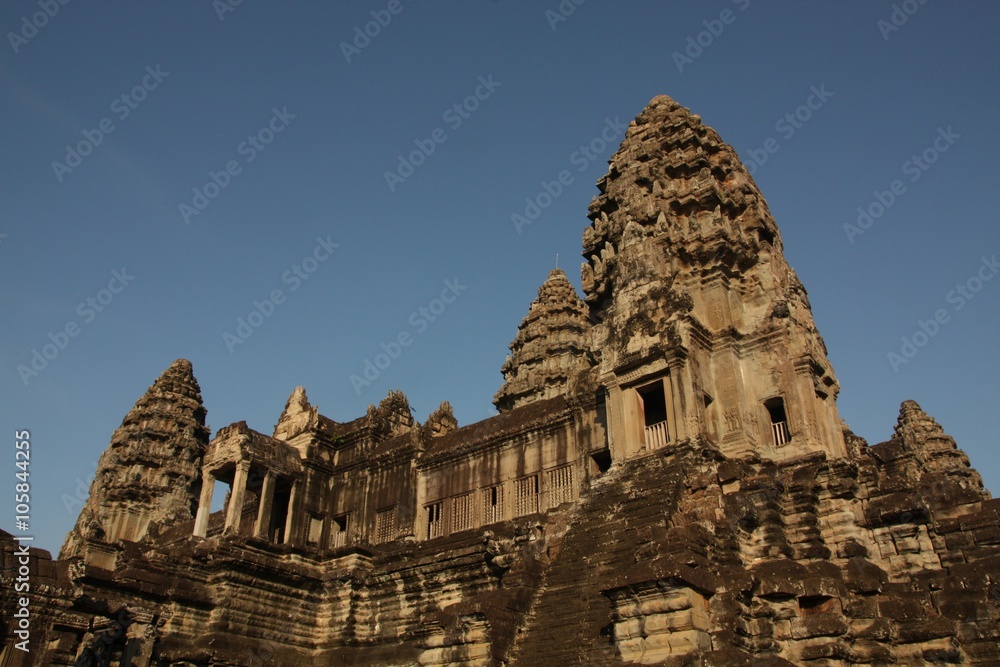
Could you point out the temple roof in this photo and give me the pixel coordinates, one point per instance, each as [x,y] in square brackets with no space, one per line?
[238,442]
[503,425]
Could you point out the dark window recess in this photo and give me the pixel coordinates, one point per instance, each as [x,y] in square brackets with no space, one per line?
[338,531]
[779,421]
[600,462]
[654,404]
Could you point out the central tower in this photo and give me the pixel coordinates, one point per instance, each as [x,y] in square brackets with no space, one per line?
[701,329]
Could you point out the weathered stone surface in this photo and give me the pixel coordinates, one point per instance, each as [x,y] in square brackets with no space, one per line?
[667,483]
[688,284]
[150,473]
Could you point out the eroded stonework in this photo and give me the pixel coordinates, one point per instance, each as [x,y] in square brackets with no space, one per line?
[149,471]
[668,482]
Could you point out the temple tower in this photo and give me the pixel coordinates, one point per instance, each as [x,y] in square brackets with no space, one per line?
[552,348]
[701,327]
[150,473]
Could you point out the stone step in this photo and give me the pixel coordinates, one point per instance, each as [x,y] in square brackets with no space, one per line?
[565,623]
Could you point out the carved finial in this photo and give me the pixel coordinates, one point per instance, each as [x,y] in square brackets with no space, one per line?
[442,421]
[392,416]
[297,416]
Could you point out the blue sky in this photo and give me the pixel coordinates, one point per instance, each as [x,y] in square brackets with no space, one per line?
[536,88]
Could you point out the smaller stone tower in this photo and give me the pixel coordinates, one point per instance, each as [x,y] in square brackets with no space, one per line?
[946,477]
[150,473]
[551,350]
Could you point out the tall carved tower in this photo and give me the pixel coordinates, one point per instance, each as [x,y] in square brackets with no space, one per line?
[150,473]
[701,327]
[550,355]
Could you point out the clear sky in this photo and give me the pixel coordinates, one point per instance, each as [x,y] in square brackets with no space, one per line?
[299,119]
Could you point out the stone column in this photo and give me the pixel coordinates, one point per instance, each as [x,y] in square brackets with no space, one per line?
[264,508]
[509,499]
[235,512]
[616,432]
[293,509]
[204,504]
[686,403]
[141,639]
[674,409]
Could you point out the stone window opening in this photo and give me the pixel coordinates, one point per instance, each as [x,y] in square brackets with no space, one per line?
[314,536]
[780,434]
[559,486]
[240,502]
[462,512]
[653,401]
[600,462]
[279,513]
[338,531]
[385,525]
[221,490]
[492,504]
[435,520]
[526,495]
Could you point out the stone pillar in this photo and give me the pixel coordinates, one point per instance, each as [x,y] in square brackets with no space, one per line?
[293,509]
[264,508]
[235,512]
[685,401]
[141,638]
[204,504]
[616,421]
[673,414]
[509,499]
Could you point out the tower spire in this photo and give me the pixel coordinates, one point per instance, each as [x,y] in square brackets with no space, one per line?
[149,474]
[550,351]
[686,277]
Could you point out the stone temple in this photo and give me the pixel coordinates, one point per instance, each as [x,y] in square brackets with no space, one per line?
[667,482]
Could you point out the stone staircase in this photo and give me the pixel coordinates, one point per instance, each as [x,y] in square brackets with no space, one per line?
[570,620]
